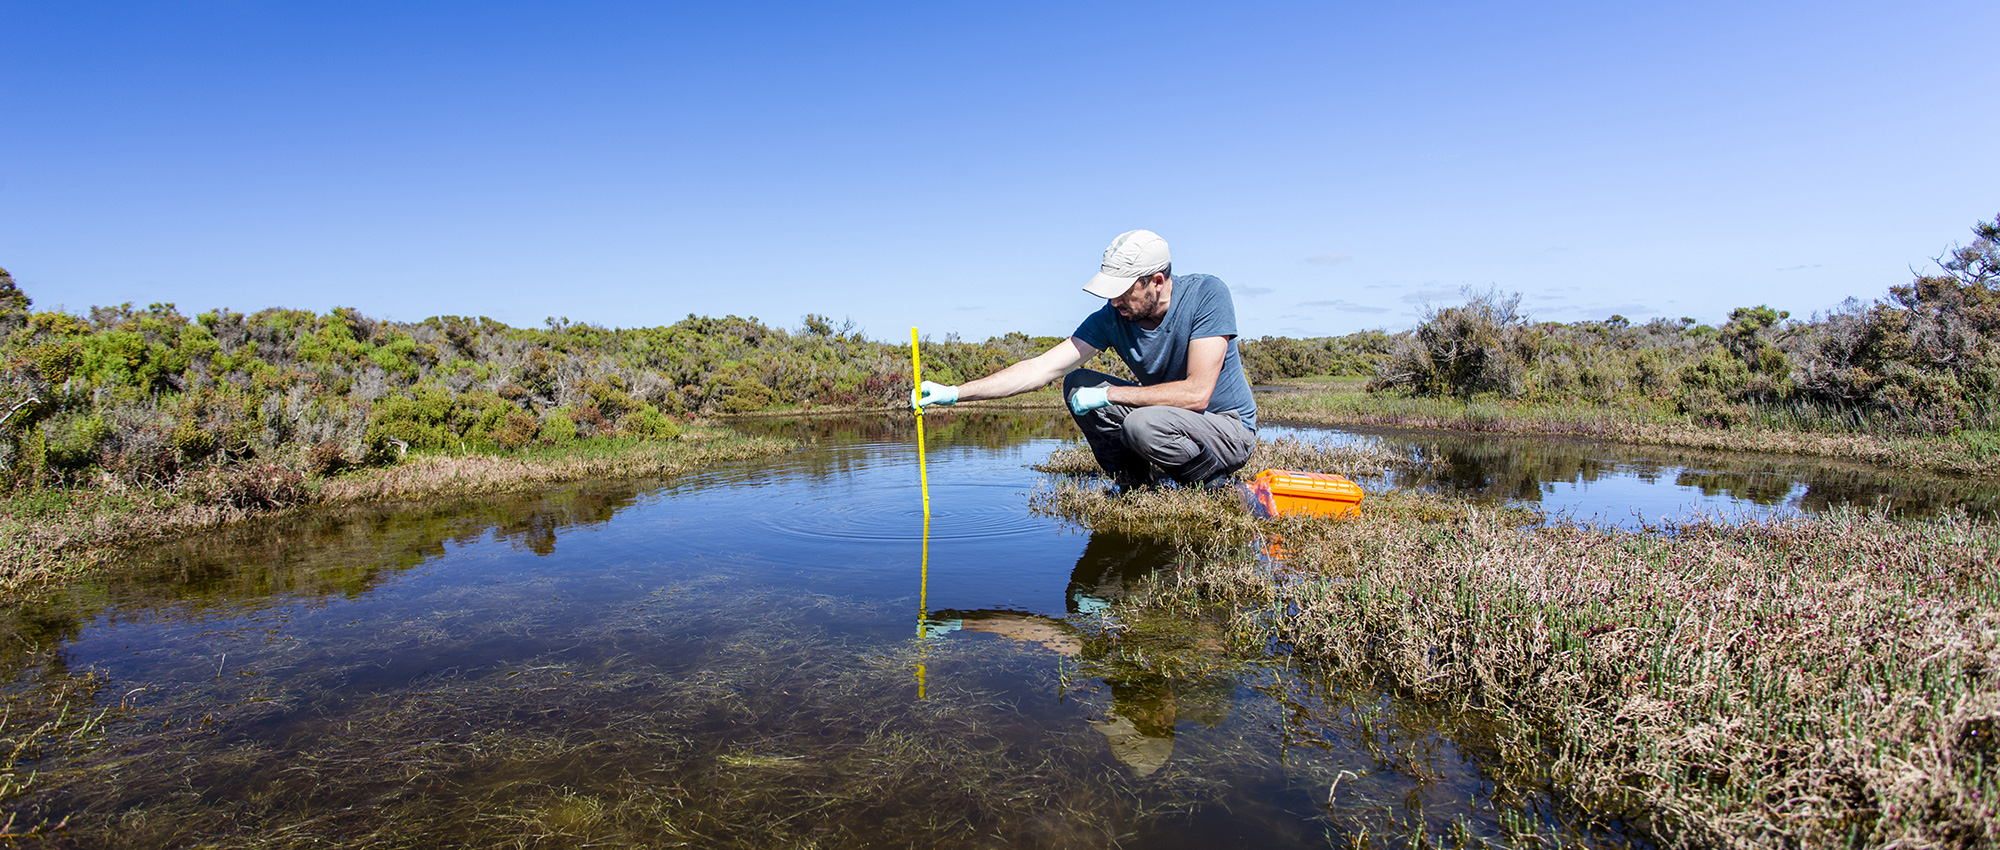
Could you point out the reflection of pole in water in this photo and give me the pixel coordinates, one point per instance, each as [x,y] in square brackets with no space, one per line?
[923,485]
[923,589]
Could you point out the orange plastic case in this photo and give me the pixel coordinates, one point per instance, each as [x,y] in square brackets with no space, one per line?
[1277,492]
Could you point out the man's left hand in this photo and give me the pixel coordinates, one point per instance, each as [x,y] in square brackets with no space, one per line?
[1087,399]
[933,393]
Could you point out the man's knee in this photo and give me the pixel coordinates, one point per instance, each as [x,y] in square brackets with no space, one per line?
[1185,444]
[1152,421]
[1158,433]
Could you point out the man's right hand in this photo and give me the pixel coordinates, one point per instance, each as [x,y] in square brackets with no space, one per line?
[933,393]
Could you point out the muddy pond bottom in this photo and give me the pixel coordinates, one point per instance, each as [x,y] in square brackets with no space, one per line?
[738,658]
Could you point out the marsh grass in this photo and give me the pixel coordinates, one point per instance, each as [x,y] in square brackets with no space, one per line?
[1781,682]
[1288,452]
[1194,517]
[621,458]
[51,535]
[1634,421]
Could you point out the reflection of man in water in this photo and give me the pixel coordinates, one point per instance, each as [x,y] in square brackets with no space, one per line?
[1139,727]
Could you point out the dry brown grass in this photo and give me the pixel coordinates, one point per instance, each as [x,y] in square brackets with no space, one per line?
[435,475]
[1803,682]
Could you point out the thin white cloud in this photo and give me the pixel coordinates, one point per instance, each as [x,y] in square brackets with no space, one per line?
[1632,311]
[1431,296]
[1347,306]
[1628,310]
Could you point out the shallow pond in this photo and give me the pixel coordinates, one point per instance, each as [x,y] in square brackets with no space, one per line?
[1625,485]
[750,656]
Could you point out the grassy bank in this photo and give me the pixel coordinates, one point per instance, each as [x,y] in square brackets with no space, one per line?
[1804,682]
[50,534]
[1337,401]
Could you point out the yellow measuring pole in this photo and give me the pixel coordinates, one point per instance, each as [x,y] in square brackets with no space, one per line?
[924,482]
[923,472]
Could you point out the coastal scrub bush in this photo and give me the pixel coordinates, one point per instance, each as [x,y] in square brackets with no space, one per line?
[1460,351]
[1925,360]
[13,305]
[649,422]
[558,428]
[73,442]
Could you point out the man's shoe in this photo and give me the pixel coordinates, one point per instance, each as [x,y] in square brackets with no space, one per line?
[1122,484]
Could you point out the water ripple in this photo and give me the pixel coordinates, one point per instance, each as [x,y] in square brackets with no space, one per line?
[888,513]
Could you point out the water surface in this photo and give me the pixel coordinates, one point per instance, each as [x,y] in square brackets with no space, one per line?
[741,658]
[1629,485]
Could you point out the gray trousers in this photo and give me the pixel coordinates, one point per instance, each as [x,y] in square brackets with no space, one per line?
[1188,447]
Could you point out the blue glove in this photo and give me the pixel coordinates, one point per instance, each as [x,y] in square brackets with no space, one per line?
[1087,399]
[933,393]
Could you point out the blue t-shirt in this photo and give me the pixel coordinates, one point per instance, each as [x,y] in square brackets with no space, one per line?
[1200,308]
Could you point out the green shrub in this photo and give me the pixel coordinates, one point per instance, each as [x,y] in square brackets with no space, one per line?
[14,305]
[55,362]
[74,441]
[518,429]
[420,419]
[649,422]
[193,442]
[396,356]
[558,429]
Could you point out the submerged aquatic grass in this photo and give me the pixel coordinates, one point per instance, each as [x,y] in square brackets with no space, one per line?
[705,716]
[1799,681]
[768,735]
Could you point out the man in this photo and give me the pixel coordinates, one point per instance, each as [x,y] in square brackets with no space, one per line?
[1190,416]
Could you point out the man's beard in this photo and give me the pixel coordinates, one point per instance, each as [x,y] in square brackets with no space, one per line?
[1141,312]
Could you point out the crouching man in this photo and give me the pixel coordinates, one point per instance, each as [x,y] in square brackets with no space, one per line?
[1190,417]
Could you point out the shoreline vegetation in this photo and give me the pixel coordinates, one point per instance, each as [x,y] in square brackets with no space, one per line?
[1339,401]
[55,535]
[1811,681]
[149,407]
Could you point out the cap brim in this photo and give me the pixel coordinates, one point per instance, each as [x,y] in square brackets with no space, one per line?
[1108,286]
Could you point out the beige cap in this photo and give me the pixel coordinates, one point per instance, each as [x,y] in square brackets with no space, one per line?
[1133,255]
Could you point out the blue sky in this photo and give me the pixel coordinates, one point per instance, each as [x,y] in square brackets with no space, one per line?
[961,166]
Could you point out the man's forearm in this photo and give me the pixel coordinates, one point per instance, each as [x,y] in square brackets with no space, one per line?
[1025,376]
[1185,394]
[1030,374]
